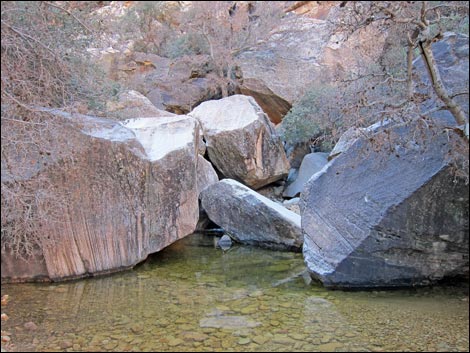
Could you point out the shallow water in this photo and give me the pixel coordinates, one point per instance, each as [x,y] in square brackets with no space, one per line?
[194,297]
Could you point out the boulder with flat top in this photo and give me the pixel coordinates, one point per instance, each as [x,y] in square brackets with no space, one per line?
[241,141]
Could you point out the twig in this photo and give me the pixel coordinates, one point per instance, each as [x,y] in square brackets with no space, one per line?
[69,13]
[25,36]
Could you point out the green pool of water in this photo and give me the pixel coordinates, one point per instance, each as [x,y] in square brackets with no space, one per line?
[194,297]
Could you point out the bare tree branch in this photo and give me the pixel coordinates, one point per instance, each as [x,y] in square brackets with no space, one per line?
[438,85]
[68,13]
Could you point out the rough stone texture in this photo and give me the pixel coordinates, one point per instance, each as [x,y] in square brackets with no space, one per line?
[251,218]
[241,141]
[274,106]
[290,60]
[206,174]
[296,153]
[372,219]
[451,54]
[292,205]
[352,134]
[32,268]
[301,49]
[131,104]
[313,9]
[311,164]
[345,141]
[128,190]
[175,86]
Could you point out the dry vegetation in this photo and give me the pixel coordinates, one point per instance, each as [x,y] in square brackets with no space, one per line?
[43,64]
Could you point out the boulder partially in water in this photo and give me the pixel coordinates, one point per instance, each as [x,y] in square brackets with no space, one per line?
[127,190]
[241,141]
[376,218]
[251,218]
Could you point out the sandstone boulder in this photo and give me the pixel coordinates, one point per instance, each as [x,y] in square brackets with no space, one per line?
[206,175]
[127,190]
[311,164]
[303,49]
[273,105]
[251,218]
[241,141]
[372,218]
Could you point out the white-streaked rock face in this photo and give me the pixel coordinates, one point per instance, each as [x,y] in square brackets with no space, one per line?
[250,217]
[241,141]
[129,190]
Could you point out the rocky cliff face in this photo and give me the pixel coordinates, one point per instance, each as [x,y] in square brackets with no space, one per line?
[306,49]
[127,192]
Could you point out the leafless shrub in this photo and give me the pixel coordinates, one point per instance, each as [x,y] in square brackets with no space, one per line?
[43,64]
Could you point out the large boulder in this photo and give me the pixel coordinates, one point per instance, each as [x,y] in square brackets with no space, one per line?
[241,141]
[311,164]
[174,85]
[126,190]
[251,218]
[373,218]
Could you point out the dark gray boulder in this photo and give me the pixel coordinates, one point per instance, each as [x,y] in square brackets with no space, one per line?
[251,218]
[374,218]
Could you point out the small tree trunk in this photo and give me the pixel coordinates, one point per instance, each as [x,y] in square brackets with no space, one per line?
[409,70]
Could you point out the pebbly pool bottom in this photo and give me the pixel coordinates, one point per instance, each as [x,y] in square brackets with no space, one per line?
[195,297]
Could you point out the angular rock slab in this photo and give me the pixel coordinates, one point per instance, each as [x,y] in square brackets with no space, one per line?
[311,164]
[372,219]
[130,190]
[206,175]
[241,141]
[251,218]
